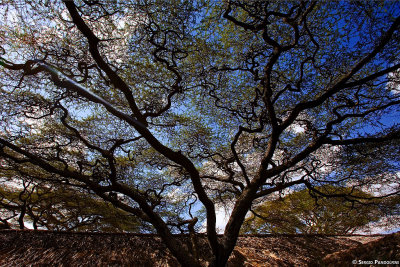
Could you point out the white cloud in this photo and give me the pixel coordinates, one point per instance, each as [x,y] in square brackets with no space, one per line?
[296,128]
[394,82]
[222,217]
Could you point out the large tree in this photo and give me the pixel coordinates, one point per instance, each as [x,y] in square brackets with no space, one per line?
[168,109]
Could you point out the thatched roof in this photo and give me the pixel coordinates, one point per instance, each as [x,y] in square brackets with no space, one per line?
[44,248]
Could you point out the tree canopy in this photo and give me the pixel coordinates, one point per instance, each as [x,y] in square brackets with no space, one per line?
[170,110]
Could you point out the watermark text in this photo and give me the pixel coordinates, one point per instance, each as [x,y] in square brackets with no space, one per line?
[375,262]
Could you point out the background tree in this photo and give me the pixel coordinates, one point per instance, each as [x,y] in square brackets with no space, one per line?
[300,212]
[192,105]
[61,209]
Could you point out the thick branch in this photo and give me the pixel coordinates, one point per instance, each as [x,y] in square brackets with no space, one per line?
[377,139]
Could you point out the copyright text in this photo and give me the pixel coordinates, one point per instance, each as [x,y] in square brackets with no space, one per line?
[377,262]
